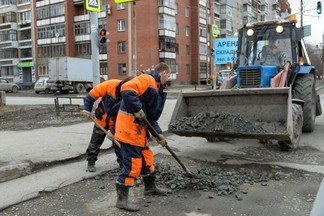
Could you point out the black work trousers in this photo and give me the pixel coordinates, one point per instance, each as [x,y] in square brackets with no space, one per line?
[97,138]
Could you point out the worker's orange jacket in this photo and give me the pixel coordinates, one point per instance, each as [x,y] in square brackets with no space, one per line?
[142,92]
[106,112]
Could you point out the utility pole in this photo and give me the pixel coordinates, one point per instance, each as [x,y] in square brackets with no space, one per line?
[94,47]
[130,41]
[302,16]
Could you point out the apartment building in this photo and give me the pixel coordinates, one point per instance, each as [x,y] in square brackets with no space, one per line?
[232,15]
[175,32]
[16,59]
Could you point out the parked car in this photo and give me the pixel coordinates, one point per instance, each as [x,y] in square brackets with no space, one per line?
[42,85]
[222,75]
[25,85]
[7,86]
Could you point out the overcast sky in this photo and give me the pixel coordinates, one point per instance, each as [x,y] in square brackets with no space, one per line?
[317,23]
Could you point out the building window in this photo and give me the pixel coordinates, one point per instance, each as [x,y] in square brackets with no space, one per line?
[54,50]
[167,44]
[103,68]
[82,28]
[167,22]
[202,31]
[187,31]
[51,31]
[122,69]
[103,48]
[187,12]
[25,16]
[50,11]
[8,53]
[121,47]
[203,3]
[168,3]
[188,49]
[42,70]
[83,49]
[9,17]
[121,6]
[8,2]
[25,34]
[188,71]
[203,49]
[10,35]
[202,13]
[120,25]
[177,28]
[176,8]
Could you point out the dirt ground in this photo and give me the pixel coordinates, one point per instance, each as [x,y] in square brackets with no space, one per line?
[27,117]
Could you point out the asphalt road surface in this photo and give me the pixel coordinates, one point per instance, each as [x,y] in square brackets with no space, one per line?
[242,162]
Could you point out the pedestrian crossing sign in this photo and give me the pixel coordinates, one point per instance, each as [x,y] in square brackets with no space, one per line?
[93,5]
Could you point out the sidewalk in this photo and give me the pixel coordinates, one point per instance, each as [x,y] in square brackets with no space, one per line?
[21,151]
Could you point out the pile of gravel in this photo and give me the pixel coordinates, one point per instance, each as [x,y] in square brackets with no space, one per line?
[216,122]
[222,181]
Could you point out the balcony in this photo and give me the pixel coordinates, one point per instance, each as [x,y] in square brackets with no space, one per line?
[78,2]
[81,18]
[166,10]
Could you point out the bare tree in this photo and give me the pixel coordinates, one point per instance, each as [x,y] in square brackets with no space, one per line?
[315,57]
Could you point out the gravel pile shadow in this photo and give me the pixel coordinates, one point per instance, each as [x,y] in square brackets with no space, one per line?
[216,122]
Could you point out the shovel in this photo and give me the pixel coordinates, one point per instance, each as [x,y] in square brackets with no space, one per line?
[152,131]
[105,131]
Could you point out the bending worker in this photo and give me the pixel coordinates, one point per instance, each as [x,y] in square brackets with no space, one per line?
[142,97]
[105,115]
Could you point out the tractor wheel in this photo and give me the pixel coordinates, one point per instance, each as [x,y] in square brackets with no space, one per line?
[297,116]
[304,87]
[79,88]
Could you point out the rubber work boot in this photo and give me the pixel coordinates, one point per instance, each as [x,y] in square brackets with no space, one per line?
[91,168]
[150,187]
[122,199]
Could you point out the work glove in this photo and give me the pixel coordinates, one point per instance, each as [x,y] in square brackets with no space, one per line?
[161,140]
[86,113]
[110,136]
[140,115]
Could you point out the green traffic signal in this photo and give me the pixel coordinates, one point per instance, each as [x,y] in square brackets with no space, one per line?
[319,7]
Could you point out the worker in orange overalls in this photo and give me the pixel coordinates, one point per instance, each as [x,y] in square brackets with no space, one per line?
[142,97]
[105,114]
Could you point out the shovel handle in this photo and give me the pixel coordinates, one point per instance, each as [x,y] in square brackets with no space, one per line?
[104,130]
[152,130]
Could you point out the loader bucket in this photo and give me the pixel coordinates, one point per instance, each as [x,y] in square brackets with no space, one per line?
[260,113]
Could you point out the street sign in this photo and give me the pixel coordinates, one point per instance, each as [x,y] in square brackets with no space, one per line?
[93,5]
[307,30]
[25,64]
[225,50]
[123,1]
[215,30]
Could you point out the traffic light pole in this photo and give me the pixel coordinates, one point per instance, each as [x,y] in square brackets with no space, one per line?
[94,48]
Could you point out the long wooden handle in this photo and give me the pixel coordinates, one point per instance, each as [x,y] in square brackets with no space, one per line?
[104,130]
[152,130]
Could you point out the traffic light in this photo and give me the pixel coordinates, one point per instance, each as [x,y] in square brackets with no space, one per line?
[102,36]
[319,7]
[212,52]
